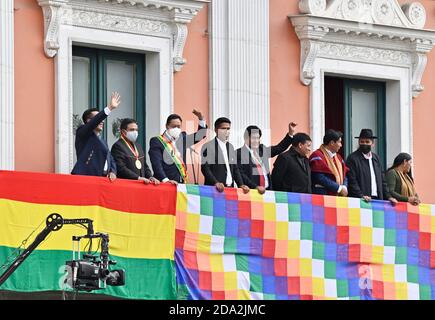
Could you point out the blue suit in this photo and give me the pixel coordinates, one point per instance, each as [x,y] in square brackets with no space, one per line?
[328,184]
[92,152]
[162,162]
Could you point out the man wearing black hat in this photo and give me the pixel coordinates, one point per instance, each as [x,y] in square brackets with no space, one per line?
[366,177]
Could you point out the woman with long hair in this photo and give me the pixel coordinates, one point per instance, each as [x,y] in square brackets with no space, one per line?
[400,181]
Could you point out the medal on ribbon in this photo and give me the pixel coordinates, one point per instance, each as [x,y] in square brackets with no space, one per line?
[137,163]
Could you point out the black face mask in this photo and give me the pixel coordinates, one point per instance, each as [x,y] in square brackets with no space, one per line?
[364,148]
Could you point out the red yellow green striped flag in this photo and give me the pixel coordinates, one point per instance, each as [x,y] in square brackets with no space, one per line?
[140,221]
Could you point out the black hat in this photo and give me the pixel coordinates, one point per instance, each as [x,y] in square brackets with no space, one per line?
[366,134]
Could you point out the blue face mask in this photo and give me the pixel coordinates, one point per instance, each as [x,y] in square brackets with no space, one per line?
[132,135]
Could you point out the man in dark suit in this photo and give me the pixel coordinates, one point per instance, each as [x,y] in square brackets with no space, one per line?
[291,170]
[129,156]
[253,157]
[219,160]
[168,151]
[366,177]
[93,154]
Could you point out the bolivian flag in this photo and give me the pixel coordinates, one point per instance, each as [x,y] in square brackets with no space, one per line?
[139,219]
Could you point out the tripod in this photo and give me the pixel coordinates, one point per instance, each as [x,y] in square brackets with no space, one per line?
[195,178]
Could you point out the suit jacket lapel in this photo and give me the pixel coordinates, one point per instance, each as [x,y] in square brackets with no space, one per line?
[251,162]
[227,145]
[251,159]
[218,152]
[378,172]
[298,160]
[181,145]
[302,165]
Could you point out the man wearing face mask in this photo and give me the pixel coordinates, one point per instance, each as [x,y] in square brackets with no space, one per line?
[253,157]
[129,156]
[93,155]
[168,151]
[219,160]
[366,177]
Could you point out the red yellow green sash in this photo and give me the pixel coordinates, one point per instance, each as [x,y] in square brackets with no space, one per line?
[169,147]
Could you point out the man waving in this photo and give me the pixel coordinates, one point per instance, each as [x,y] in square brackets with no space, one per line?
[168,151]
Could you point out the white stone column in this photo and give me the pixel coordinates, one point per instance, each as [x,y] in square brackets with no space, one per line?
[7,85]
[239,64]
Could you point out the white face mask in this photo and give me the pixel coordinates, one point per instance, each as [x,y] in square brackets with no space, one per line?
[223,135]
[132,135]
[174,133]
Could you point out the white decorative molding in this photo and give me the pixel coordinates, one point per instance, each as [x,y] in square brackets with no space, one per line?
[159,84]
[387,12]
[419,62]
[52,10]
[367,39]
[239,64]
[105,21]
[374,31]
[180,36]
[156,28]
[162,18]
[7,157]
[364,54]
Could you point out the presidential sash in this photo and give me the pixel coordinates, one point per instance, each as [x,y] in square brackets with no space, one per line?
[178,161]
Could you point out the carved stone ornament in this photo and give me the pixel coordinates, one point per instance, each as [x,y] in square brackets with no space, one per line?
[162,18]
[371,31]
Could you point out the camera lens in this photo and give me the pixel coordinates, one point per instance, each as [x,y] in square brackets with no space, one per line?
[104,272]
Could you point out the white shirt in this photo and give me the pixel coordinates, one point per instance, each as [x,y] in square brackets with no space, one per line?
[223,147]
[330,153]
[263,168]
[372,174]
[202,123]
[173,142]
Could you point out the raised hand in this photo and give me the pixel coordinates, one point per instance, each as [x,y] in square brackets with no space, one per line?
[291,128]
[198,114]
[115,101]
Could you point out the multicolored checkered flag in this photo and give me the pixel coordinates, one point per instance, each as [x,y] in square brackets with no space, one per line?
[297,246]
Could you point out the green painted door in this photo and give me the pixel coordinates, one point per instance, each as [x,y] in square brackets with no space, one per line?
[96,74]
[364,107]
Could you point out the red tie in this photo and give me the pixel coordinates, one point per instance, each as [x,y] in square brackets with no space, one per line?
[260,172]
